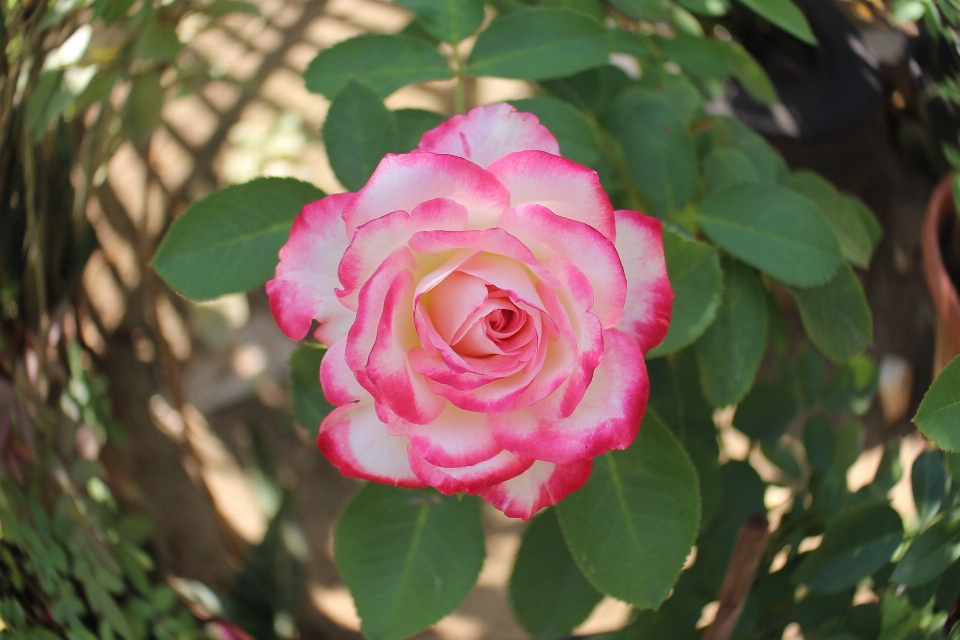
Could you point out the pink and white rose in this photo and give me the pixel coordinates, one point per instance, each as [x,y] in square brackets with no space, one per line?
[487,313]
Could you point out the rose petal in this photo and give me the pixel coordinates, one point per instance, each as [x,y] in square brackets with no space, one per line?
[401,182]
[585,247]
[649,304]
[608,416]
[402,389]
[494,241]
[339,384]
[363,333]
[306,277]
[472,479]
[377,239]
[542,485]
[358,444]
[455,439]
[488,133]
[576,297]
[568,189]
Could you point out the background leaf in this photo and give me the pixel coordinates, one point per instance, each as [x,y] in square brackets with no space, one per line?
[358,132]
[767,410]
[730,351]
[773,229]
[447,20]
[409,557]
[576,135]
[694,271]
[939,412]
[411,125]
[840,214]
[929,555]
[548,593]
[228,241]
[382,62]
[785,15]
[657,150]
[310,406]
[539,44]
[631,526]
[836,315]
[854,546]
[928,480]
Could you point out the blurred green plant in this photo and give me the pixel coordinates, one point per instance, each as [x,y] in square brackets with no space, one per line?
[78,78]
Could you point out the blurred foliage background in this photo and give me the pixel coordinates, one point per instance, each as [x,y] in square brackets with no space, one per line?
[157,478]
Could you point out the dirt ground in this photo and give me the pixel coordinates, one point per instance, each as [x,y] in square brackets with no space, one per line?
[203,388]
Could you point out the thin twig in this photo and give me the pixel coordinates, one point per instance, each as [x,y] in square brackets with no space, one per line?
[751,543]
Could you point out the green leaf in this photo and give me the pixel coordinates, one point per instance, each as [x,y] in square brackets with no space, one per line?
[358,132]
[632,43]
[631,526]
[702,57]
[773,229]
[730,351]
[725,166]
[576,135]
[593,8]
[141,113]
[592,90]
[785,15]
[228,241]
[839,213]
[409,557]
[928,481]
[836,315]
[929,555]
[750,74]
[310,406]
[727,132]
[642,9]
[159,41]
[411,125]
[767,410]
[939,414]
[657,149]
[548,593]
[854,547]
[383,62]
[707,7]
[447,20]
[693,268]
[539,44]
[867,219]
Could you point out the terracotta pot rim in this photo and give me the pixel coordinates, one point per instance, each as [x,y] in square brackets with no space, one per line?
[942,290]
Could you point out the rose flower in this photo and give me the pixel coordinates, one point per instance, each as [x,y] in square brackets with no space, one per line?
[487,313]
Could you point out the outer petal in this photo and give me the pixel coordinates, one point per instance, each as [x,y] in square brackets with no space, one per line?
[357,443]
[568,189]
[339,384]
[542,485]
[455,439]
[472,479]
[608,417]
[376,240]
[306,278]
[487,133]
[586,248]
[649,305]
[400,388]
[401,182]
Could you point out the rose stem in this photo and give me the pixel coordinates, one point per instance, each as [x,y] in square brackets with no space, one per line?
[751,543]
